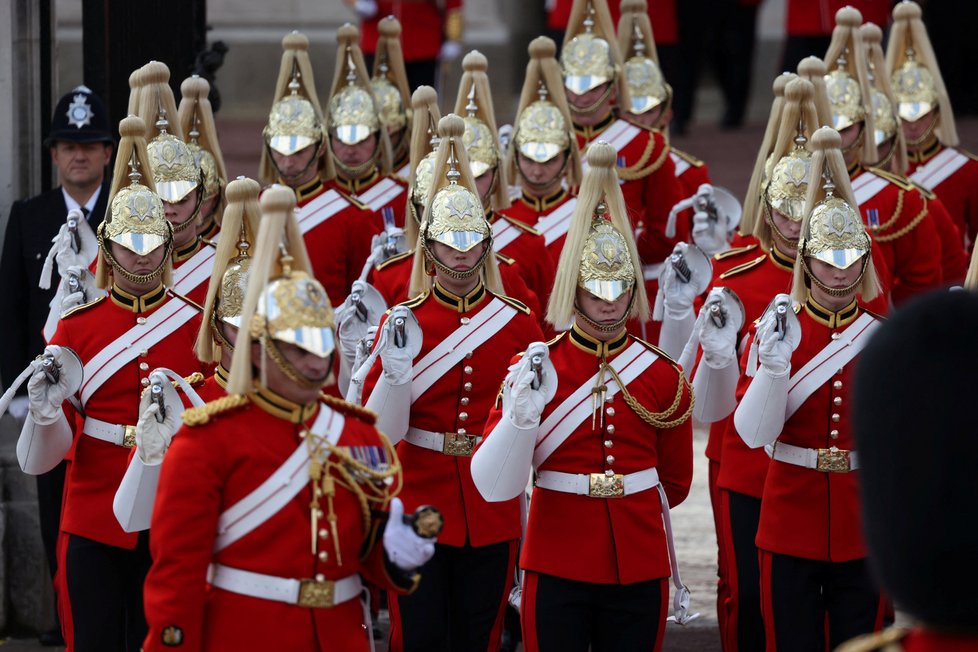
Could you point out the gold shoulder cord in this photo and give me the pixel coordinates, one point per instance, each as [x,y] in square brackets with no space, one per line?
[639,170]
[657,419]
[906,229]
[374,488]
[897,211]
[198,416]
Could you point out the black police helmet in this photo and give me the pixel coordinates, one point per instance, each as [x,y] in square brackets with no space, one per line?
[80,117]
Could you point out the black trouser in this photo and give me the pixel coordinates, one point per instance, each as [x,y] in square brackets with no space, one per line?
[50,490]
[459,603]
[561,615]
[419,73]
[105,593]
[745,625]
[800,596]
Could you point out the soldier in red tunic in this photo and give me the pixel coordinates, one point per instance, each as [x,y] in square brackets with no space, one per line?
[796,402]
[510,237]
[936,160]
[295,155]
[433,391]
[89,416]
[197,123]
[543,158]
[932,578]
[894,211]
[602,418]
[591,61]
[275,499]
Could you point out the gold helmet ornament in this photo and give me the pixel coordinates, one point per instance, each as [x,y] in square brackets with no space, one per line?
[887,132]
[643,76]
[481,139]
[847,82]
[424,142]
[453,215]
[354,115]
[754,206]
[175,170]
[197,121]
[232,262]
[295,121]
[284,304]
[599,255]
[833,230]
[916,78]
[543,123]
[589,56]
[135,219]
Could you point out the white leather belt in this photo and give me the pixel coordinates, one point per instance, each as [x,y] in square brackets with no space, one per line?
[598,485]
[124,436]
[319,594]
[450,443]
[826,460]
[651,272]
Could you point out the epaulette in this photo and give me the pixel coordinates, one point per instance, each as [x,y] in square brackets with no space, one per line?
[689,158]
[659,352]
[345,194]
[349,409]
[887,640]
[557,338]
[187,300]
[898,180]
[928,194]
[516,303]
[196,379]
[209,243]
[733,271]
[735,251]
[520,225]
[874,315]
[503,258]
[416,301]
[84,306]
[394,259]
[198,416]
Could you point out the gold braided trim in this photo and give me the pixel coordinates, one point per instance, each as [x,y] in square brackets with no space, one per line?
[633,172]
[893,218]
[198,416]
[346,407]
[658,419]
[906,229]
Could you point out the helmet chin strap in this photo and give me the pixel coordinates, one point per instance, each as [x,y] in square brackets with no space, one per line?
[356,171]
[548,182]
[781,237]
[458,275]
[594,106]
[291,179]
[138,279]
[287,368]
[605,328]
[834,292]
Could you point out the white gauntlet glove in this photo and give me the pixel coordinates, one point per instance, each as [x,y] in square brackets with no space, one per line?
[56,376]
[403,546]
[685,275]
[154,431]
[774,346]
[708,233]
[524,395]
[365,9]
[717,333]
[396,356]
[78,286]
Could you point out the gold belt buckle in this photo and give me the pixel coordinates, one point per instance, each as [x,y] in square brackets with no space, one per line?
[606,486]
[458,445]
[315,594]
[129,437]
[833,460]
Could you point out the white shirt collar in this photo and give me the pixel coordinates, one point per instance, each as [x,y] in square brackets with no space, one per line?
[90,204]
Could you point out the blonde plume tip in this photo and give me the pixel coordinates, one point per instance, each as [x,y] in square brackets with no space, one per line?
[295,41]
[389,27]
[451,126]
[811,67]
[826,138]
[277,199]
[542,47]
[781,82]
[195,87]
[347,35]
[475,61]
[848,17]
[242,190]
[908,10]
[423,97]
[155,72]
[132,127]
[799,90]
[602,155]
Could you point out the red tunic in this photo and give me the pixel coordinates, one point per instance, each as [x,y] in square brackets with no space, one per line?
[609,540]
[804,512]
[954,258]
[422,26]
[808,18]
[531,210]
[897,217]
[376,195]
[958,192]
[662,13]
[197,294]
[529,251]
[98,466]
[461,398]
[208,469]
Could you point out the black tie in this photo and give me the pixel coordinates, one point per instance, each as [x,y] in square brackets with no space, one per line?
[85,212]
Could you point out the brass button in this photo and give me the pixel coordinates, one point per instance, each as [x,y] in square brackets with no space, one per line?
[143,366]
[834,434]
[837,384]
[837,400]
[610,459]
[323,555]
[323,533]
[835,336]
[608,443]
[464,400]
[467,387]
[609,472]
[468,356]
[144,382]
[611,428]
[320,577]
[836,418]
[140,320]
[610,412]
[465,320]
[461,431]
[143,353]
[467,369]
[838,373]
[319,513]
[463,416]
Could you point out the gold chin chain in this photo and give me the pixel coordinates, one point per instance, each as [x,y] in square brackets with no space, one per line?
[661,420]
[372,487]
